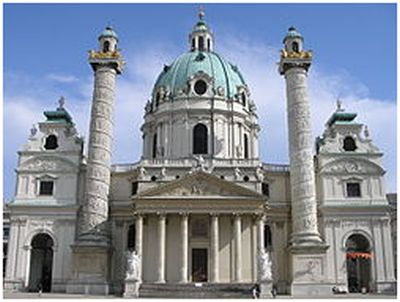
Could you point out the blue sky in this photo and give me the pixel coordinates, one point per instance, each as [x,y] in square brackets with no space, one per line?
[45,56]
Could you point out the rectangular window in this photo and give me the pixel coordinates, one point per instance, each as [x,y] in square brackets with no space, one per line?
[265,189]
[46,188]
[353,189]
[134,188]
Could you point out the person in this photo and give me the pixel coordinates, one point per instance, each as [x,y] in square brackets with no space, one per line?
[273,291]
[255,291]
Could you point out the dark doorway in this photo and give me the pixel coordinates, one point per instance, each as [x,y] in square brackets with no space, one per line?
[199,265]
[41,263]
[358,262]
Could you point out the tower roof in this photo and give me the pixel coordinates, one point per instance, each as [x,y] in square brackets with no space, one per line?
[108,32]
[58,115]
[292,33]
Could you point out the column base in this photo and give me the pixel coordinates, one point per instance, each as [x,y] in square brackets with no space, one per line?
[266,289]
[386,287]
[91,269]
[308,269]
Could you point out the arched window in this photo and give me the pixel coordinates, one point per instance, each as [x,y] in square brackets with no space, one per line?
[246,146]
[106,46]
[201,43]
[41,265]
[131,238]
[154,145]
[200,139]
[349,144]
[51,142]
[208,44]
[295,46]
[157,99]
[193,44]
[243,97]
[134,188]
[267,237]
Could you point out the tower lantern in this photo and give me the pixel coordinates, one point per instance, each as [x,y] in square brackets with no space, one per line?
[201,38]
[108,40]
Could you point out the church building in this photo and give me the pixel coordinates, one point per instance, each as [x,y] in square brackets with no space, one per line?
[200,206]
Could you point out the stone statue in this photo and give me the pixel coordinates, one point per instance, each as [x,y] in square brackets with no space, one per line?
[366,131]
[239,151]
[200,162]
[142,172]
[132,265]
[264,266]
[259,173]
[61,102]
[238,173]
[33,130]
[163,172]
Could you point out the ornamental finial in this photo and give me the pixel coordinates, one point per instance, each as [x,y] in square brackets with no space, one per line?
[33,130]
[61,102]
[201,13]
[339,105]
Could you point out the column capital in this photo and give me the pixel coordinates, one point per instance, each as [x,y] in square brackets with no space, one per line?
[214,214]
[184,214]
[161,215]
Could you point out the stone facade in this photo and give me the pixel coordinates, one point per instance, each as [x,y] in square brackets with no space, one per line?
[200,206]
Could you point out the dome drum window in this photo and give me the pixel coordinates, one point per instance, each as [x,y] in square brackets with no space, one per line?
[200,87]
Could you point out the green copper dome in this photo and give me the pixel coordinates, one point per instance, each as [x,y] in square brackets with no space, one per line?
[108,32]
[223,74]
[292,33]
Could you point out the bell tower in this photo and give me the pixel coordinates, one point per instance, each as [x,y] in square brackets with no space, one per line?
[306,245]
[92,250]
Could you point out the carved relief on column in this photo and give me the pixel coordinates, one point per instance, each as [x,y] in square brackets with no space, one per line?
[94,211]
[304,207]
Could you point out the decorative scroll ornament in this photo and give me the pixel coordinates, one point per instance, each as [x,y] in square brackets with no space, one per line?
[104,55]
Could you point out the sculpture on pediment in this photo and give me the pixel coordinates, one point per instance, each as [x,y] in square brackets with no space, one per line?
[200,163]
[238,173]
[33,131]
[260,173]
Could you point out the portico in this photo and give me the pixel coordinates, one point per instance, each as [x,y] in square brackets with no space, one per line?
[201,239]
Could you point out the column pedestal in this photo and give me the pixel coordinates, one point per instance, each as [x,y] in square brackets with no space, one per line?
[91,270]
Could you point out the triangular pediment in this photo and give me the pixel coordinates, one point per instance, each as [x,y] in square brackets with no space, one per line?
[200,184]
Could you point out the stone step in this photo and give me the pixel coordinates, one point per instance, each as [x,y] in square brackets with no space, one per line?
[194,291]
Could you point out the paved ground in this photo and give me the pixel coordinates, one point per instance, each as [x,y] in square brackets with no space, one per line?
[13,295]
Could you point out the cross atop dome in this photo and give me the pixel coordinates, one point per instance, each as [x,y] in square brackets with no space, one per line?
[201,37]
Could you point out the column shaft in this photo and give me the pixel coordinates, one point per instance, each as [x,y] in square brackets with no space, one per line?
[260,234]
[302,178]
[161,249]
[139,235]
[95,204]
[238,248]
[185,246]
[214,249]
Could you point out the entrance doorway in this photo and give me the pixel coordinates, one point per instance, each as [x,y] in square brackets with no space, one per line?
[41,263]
[358,260]
[199,265]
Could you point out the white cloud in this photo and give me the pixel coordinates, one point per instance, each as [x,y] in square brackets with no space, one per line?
[62,78]
[257,63]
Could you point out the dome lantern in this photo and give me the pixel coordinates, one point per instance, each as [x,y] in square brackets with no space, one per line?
[108,40]
[201,38]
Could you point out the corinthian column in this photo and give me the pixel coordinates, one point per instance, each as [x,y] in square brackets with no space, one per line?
[214,248]
[161,249]
[238,247]
[184,240]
